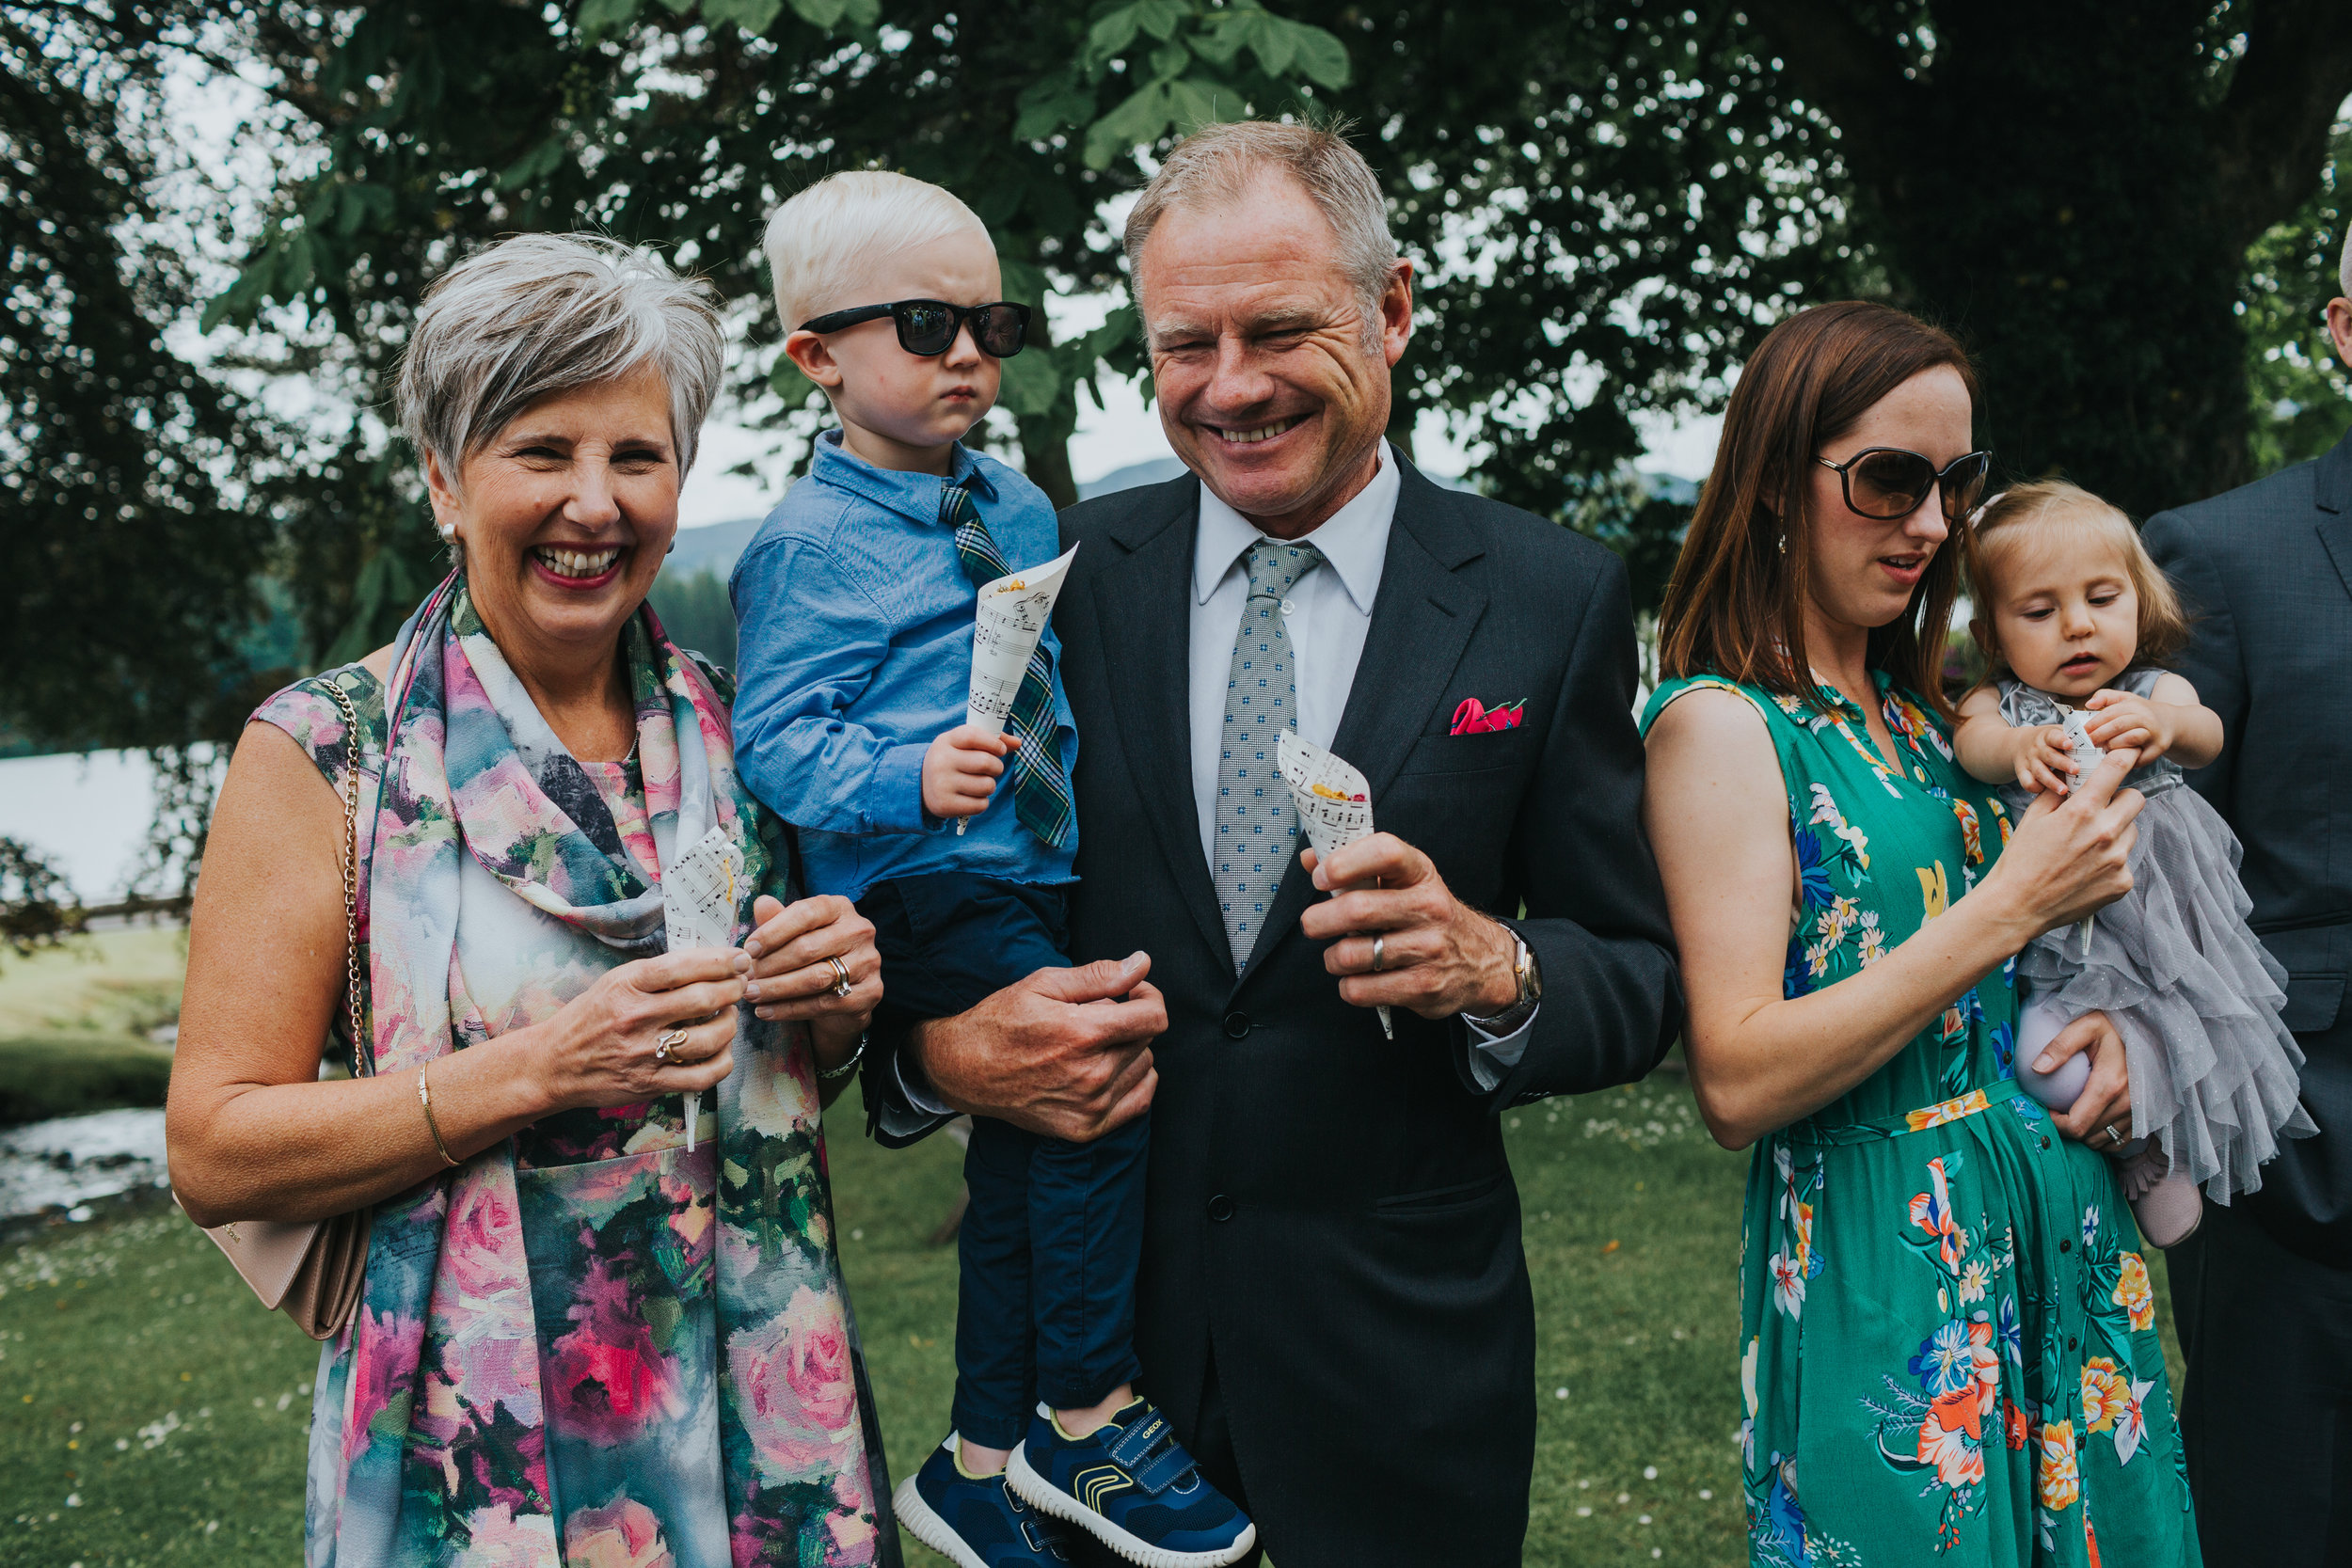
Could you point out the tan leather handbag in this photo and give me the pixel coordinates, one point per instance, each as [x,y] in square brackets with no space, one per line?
[312,1271]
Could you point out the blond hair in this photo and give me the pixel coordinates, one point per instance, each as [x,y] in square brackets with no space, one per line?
[2049,511]
[818,243]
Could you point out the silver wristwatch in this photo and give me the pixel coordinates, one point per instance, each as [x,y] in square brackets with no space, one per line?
[1530,976]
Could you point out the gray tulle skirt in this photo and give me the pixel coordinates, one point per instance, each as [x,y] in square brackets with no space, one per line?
[2215,1075]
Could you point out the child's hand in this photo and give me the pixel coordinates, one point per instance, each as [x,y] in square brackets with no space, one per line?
[2045,762]
[2148,728]
[960,770]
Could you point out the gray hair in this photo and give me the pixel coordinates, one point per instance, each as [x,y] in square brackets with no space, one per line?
[2344,265]
[1219,164]
[542,314]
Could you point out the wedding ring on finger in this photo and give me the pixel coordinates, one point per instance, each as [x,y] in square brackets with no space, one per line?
[1379,954]
[668,1043]
[841,986]
[2113,1136]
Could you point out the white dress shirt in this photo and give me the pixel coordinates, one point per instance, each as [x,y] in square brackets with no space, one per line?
[1328,611]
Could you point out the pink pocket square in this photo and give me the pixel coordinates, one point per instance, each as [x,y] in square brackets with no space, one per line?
[1473,717]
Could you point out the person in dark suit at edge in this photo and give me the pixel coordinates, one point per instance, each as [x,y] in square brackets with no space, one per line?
[1333,1307]
[2263,1293]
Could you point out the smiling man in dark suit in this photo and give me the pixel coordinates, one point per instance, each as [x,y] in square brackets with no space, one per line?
[2264,1291]
[1333,1309]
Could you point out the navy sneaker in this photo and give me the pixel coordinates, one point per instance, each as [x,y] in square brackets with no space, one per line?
[976,1521]
[1133,1488]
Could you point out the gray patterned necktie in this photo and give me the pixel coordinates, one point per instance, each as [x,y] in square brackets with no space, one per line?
[1255,820]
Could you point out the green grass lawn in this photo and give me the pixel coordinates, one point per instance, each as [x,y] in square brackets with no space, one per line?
[74,1024]
[150,1412]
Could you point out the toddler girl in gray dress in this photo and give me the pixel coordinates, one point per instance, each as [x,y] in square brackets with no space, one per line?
[2075,618]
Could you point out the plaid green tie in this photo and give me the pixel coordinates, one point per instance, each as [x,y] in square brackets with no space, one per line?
[1040,796]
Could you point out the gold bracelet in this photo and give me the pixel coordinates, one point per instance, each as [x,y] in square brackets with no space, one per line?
[425,1098]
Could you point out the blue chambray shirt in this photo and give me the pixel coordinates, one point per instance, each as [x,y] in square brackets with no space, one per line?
[855,652]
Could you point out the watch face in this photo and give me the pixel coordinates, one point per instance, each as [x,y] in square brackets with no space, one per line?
[1531,975]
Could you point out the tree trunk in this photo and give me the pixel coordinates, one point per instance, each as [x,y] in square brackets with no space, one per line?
[2053,185]
[1046,458]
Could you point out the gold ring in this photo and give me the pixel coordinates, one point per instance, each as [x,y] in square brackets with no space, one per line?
[841,986]
[1379,953]
[667,1043]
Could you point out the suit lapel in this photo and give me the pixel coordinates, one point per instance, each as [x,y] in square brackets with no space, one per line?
[2333,489]
[1142,603]
[1421,620]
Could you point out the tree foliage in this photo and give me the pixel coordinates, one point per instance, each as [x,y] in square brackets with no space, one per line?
[132,549]
[2125,212]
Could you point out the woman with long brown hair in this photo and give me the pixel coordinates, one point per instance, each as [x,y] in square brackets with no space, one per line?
[1948,1348]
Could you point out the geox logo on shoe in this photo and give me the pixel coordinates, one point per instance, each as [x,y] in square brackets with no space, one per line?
[1101,1481]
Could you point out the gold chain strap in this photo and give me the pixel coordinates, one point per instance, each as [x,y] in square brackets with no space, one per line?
[350,864]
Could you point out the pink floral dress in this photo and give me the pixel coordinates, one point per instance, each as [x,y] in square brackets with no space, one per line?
[587,1344]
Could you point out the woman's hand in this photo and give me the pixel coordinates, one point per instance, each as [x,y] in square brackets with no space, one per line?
[2124,720]
[2045,762]
[802,956]
[2105,1101]
[2072,858]
[601,1048]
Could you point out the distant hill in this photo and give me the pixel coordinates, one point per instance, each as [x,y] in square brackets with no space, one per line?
[714,546]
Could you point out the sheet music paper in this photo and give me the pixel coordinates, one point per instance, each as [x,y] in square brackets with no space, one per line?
[699,895]
[1013,610]
[1334,802]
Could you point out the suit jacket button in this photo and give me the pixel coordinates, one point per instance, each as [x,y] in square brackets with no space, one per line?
[1236,1025]
[1220,1209]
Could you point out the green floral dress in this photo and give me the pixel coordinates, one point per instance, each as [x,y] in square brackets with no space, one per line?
[1951,1347]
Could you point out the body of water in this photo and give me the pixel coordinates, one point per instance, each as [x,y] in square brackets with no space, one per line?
[71,1160]
[86,812]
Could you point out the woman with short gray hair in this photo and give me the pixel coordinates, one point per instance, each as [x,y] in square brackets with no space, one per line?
[601,1314]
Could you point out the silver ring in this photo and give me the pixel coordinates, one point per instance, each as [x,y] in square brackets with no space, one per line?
[1379,953]
[841,986]
[2113,1136]
[667,1043]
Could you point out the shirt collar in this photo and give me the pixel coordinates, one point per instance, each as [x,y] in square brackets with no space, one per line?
[914,495]
[1354,541]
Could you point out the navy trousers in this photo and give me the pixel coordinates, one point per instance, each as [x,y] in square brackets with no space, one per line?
[1050,1244]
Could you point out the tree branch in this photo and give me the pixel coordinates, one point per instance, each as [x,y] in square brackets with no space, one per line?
[2270,133]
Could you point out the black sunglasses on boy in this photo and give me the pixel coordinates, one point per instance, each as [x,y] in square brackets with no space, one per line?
[1887,482]
[929,327]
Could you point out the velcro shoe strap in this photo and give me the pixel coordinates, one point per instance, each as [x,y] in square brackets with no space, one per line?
[1171,1466]
[1133,1448]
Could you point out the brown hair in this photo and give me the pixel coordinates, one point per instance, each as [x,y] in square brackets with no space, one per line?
[1734,605]
[2025,514]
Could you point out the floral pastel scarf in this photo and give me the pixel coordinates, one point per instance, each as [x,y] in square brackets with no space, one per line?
[430,1437]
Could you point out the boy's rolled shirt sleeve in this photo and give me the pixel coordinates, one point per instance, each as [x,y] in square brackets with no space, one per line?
[810,639]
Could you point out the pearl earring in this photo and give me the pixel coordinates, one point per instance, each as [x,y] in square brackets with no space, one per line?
[448,532]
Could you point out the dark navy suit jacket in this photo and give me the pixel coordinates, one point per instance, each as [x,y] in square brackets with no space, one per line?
[1332,1221]
[2268,571]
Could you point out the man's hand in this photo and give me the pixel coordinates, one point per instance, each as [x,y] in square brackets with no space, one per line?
[2124,720]
[960,770]
[1438,956]
[2045,762]
[1057,1053]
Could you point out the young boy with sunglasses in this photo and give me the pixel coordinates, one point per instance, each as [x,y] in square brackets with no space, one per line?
[855,603]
